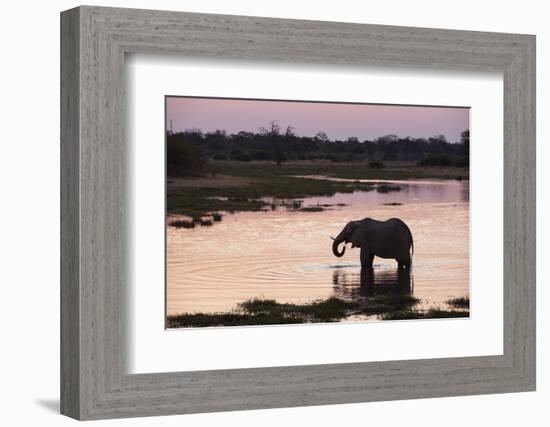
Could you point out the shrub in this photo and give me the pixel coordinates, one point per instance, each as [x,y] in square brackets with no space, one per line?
[183,157]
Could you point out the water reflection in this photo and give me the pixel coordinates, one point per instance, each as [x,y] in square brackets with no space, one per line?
[372,282]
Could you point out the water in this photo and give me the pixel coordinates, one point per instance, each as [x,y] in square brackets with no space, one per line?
[286,254]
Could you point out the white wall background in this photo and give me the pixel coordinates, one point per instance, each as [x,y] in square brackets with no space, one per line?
[29,214]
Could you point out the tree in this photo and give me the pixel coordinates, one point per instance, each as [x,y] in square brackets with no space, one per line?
[273,135]
[321,136]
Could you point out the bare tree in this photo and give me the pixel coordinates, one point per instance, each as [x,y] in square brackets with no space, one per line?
[273,134]
[321,136]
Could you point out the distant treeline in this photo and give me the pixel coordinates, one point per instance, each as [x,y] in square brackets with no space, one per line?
[188,152]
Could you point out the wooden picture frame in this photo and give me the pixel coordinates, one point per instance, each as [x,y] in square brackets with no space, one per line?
[94,382]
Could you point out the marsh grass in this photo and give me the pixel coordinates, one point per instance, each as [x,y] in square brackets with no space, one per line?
[462,302]
[380,304]
[261,311]
[433,313]
[259,180]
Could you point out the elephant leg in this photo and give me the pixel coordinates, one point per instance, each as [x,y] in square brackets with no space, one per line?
[366,259]
[404,264]
[367,278]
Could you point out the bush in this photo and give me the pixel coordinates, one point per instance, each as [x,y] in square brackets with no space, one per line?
[376,165]
[436,160]
[183,158]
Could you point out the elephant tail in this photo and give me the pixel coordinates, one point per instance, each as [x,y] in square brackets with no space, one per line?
[412,240]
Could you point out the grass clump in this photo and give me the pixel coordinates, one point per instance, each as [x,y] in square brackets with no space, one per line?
[259,311]
[433,313]
[461,302]
[227,319]
[322,310]
[437,313]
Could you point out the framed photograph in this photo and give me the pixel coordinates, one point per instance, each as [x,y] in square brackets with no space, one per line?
[261,213]
[249,209]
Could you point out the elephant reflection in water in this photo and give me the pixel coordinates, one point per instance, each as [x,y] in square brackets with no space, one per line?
[372,282]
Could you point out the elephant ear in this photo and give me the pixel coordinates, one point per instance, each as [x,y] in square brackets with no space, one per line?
[359,235]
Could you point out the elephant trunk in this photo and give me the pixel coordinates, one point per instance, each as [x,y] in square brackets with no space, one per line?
[335,244]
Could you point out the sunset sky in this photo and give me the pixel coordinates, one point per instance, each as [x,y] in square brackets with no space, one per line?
[338,121]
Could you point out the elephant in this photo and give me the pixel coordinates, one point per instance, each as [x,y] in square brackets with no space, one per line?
[384,239]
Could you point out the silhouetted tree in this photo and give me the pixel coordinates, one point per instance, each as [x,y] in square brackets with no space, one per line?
[321,136]
[273,134]
[273,143]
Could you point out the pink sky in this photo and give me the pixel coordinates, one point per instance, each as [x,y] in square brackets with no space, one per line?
[338,121]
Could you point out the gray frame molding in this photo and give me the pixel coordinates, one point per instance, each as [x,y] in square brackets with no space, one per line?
[94,41]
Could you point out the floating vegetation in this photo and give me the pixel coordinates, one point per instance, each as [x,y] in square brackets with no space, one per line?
[197,220]
[182,223]
[206,222]
[312,209]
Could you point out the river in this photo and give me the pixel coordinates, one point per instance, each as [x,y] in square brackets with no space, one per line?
[285,254]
